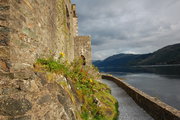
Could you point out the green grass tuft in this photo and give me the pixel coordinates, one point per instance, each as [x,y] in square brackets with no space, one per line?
[97,102]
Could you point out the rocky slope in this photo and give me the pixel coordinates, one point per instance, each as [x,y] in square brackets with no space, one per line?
[36,98]
[49,91]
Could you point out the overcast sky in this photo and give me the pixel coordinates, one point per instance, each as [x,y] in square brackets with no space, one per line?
[129,26]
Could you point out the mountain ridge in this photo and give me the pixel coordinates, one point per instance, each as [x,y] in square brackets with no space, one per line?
[167,55]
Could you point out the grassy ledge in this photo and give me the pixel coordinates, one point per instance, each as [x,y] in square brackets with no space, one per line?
[96,101]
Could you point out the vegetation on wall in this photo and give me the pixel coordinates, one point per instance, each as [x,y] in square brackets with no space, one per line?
[96,101]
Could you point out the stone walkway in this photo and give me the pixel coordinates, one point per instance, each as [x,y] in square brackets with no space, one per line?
[129,110]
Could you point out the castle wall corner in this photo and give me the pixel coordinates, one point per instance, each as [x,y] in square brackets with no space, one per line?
[32,29]
[83,48]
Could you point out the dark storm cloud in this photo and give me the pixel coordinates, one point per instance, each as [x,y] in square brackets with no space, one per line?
[133,26]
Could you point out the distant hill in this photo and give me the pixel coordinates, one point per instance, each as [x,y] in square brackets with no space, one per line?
[167,55]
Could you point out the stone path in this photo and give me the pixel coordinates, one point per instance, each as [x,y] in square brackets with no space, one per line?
[129,110]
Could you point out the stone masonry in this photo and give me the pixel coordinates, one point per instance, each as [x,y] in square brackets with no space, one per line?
[83,48]
[32,29]
[4,37]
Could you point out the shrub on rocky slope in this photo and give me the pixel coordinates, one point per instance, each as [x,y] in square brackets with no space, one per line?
[56,90]
[93,97]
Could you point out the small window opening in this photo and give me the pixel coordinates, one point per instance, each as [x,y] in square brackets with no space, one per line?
[83,60]
[68,17]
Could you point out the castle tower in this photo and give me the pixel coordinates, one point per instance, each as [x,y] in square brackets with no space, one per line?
[82,44]
[75,21]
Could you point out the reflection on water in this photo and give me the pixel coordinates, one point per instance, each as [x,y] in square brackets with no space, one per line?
[161,82]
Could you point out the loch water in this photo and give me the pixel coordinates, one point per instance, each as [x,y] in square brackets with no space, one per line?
[162,82]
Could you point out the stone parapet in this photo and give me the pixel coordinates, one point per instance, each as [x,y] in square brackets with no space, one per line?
[156,108]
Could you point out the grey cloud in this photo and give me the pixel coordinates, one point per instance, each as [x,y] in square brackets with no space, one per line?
[134,26]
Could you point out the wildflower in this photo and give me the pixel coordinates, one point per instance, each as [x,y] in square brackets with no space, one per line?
[50,51]
[91,80]
[61,54]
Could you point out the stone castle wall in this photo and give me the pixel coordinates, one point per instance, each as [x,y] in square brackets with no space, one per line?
[32,29]
[83,48]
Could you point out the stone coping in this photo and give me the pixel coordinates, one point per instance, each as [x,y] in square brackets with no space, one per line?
[153,106]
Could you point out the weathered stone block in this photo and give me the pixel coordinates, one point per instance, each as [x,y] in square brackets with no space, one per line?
[42,77]
[62,99]
[4,65]
[4,17]
[13,107]
[29,32]
[4,29]
[24,74]
[44,99]
[4,8]
[4,52]
[20,118]
[4,39]
[8,91]
[4,1]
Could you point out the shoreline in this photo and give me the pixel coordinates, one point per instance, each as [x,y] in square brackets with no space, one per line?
[153,106]
[167,65]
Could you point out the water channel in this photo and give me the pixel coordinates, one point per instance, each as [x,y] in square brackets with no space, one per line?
[162,82]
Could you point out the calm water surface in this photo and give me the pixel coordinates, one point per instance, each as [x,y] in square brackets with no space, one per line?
[162,82]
